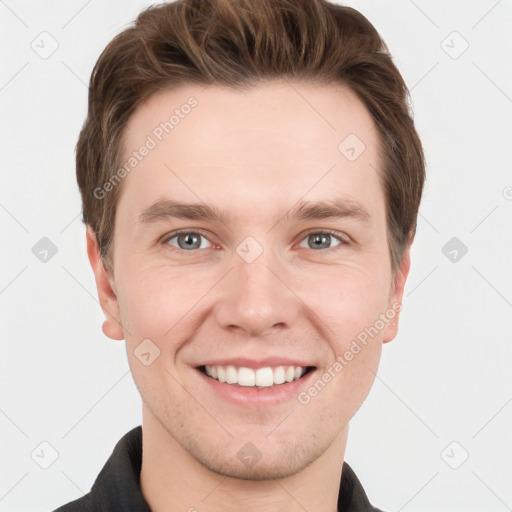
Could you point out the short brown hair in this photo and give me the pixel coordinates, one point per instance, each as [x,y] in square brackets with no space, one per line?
[241,43]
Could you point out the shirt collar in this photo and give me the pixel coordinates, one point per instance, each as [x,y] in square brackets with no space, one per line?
[117,487]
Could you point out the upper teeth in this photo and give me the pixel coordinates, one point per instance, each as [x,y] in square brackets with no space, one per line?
[248,377]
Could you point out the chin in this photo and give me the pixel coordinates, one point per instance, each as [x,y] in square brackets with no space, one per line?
[267,468]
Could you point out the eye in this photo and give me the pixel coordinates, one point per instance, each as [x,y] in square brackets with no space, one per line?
[323,239]
[186,241]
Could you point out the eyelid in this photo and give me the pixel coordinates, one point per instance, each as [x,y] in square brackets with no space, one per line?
[342,237]
[169,236]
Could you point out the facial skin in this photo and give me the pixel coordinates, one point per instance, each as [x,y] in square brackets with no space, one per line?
[253,156]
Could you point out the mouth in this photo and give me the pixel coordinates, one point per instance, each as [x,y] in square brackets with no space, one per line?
[264,377]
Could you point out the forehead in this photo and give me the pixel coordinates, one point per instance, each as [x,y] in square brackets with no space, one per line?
[278,140]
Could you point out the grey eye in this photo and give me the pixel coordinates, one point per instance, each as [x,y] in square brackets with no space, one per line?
[187,241]
[320,240]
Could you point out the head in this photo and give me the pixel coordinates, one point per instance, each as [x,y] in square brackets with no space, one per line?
[253,111]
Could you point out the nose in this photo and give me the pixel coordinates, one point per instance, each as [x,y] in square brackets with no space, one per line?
[256,298]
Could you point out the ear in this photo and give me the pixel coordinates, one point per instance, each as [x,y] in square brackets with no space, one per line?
[396,295]
[112,327]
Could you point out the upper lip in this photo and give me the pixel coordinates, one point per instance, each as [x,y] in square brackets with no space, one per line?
[256,363]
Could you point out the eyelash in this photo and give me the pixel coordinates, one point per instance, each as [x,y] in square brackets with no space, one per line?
[174,234]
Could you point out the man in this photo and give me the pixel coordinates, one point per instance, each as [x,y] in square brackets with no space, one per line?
[250,177]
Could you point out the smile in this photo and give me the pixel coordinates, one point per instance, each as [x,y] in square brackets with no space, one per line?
[260,377]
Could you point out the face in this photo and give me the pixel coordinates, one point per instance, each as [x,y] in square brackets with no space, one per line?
[290,268]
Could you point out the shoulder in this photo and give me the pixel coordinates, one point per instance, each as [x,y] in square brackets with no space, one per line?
[83,504]
[352,497]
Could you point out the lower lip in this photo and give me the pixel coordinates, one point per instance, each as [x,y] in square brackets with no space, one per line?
[253,397]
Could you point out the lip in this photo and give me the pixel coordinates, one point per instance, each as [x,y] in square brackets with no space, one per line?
[252,397]
[255,363]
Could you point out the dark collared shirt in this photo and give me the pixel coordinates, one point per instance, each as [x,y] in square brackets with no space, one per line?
[117,487]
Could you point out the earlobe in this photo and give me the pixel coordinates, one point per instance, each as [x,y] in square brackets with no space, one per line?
[111,326]
[396,296]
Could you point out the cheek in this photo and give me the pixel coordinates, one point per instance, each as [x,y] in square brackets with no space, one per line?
[154,300]
[155,307]
[348,300]
[159,302]
[353,328]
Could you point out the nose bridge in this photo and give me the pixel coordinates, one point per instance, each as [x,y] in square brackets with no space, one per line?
[255,299]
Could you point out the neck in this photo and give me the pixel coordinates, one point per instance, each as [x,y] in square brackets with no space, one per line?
[172,480]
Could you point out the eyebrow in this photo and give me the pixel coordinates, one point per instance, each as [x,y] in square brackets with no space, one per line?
[166,209]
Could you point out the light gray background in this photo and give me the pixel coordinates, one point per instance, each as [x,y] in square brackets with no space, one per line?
[446,377]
